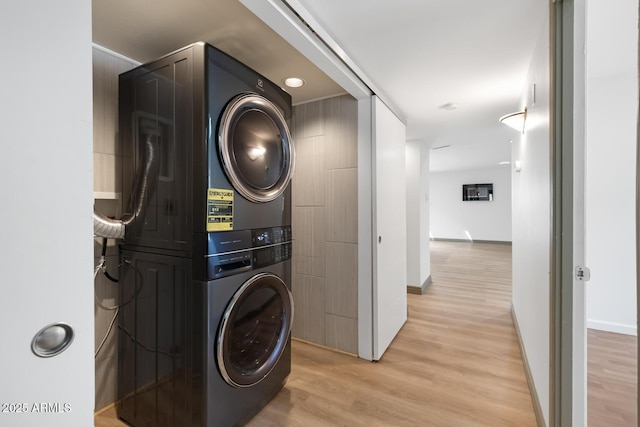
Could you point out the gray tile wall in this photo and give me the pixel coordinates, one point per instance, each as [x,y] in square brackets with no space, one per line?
[107,186]
[325,223]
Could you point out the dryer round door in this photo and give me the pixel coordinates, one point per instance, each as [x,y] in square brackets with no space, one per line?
[254,330]
[255,147]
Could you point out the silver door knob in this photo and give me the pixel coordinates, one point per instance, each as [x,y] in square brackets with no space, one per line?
[52,340]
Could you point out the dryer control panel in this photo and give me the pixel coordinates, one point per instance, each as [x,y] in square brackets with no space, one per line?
[271,236]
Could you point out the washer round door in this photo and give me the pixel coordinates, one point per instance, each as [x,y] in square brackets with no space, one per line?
[255,146]
[254,330]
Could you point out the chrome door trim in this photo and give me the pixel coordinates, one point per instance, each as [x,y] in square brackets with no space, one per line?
[237,106]
[283,338]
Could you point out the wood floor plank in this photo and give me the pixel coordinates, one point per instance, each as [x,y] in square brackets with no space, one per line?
[456,361]
[611,377]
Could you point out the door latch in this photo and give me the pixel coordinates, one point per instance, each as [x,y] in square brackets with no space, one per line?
[583,274]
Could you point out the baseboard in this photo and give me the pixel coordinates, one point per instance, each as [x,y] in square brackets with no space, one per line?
[527,371]
[315,344]
[498,242]
[419,290]
[105,409]
[618,328]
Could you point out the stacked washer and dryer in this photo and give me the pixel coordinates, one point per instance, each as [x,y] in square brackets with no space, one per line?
[205,264]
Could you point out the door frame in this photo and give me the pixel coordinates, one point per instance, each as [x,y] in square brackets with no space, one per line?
[561,262]
[638,228]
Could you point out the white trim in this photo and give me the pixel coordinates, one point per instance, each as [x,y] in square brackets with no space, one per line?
[284,22]
[535,398]
[365,231]
[106,195]
[116,54]
[322,98]
[338,52]
[324,36]
[618,328]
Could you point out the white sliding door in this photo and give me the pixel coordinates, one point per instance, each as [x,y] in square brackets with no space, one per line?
[46,254]
[389,225]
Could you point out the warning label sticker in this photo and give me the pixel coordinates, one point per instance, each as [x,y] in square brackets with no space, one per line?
[219,209]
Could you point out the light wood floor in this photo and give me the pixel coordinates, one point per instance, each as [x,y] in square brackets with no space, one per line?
[455,362]
[611,377]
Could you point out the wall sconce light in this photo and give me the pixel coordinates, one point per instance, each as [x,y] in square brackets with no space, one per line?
[515,120]
[517,166]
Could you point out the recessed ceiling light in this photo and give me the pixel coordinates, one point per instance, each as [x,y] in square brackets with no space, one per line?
[449,106]
[504,163]
[293,82]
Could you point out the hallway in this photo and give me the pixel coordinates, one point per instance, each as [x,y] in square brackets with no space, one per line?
[456,361]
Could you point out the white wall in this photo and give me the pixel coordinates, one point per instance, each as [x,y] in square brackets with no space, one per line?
[612,105]
[531,224]
[46,210]
[451,218]
[418,253]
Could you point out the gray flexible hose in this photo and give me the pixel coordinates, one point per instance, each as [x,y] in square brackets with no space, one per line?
[115,228]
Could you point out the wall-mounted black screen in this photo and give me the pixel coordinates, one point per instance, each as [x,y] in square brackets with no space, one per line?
[475,192]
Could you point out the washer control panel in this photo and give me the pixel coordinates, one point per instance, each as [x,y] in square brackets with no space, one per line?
[233,252]
[271,255]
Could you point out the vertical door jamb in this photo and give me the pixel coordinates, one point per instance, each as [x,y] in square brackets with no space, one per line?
[561,278]
[638,228]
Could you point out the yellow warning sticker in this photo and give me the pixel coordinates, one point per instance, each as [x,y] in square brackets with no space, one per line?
[219,209]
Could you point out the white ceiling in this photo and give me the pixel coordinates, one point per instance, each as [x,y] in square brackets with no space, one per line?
[147,29]
[419,54]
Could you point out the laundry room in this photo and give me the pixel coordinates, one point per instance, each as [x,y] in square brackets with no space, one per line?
[323,199]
